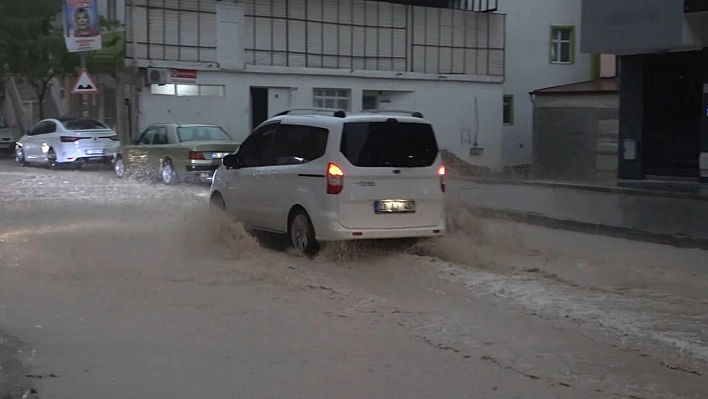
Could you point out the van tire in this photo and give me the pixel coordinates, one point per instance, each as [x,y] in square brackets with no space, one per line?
[302,234]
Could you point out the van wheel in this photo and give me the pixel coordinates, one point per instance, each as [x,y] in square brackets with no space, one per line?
[217,203]
[302,235]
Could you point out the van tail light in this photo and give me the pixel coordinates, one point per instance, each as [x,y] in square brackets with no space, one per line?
[442,171]
[195,155]
[69,139]
[335,179]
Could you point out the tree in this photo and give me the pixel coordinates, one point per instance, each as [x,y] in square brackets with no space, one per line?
[32,45]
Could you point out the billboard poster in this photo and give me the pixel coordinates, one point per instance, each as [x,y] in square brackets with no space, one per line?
[82,26]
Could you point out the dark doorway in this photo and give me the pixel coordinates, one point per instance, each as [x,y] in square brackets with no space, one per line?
[368,102]
[672,114]
[259,106]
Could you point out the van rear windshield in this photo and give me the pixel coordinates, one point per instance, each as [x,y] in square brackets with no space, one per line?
[389,144]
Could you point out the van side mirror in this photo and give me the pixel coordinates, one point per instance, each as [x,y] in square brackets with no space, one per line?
[232,161]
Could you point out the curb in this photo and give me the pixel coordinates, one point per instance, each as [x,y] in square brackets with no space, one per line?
[600,189]
[680,241]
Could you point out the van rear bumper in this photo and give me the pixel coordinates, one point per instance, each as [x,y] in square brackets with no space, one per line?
[336,232]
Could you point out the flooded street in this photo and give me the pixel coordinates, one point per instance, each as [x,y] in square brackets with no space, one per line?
[118,288]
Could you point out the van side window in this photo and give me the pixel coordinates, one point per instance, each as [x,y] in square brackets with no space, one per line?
[258,149]
[297,144]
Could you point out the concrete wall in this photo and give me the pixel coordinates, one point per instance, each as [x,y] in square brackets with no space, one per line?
[576,136]
[644,26]
[528,67]
[452,119]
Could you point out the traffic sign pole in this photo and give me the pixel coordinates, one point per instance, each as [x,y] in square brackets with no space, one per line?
[84,96]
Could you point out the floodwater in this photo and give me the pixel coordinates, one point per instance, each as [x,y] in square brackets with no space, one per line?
[119,288]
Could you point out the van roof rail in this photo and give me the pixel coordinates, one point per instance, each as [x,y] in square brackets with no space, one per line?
[338,113]
[414,114]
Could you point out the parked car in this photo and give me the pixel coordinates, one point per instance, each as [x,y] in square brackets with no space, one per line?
[67,141]
[176,151]
[8,137]
[322,176]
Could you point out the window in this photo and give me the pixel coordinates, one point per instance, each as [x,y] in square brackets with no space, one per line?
[331,98]
[508,110]
[82,124]
[44,128]
[211,91]
[165,90]
[111,11]
[296,144]
[188,90]
[147,137]
[202,133]
[257,149]
[161,137]
[389,144]
[562,44]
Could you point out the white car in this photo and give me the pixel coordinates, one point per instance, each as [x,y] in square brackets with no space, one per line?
[321,175]
[67,141]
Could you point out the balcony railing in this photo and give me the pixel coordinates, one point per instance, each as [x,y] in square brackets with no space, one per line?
[475,5]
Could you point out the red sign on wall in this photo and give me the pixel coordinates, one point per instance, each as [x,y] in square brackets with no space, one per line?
[79,3]
[183,76]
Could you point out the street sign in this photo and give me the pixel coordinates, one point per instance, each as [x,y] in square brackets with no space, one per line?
[84,84]
[183,76]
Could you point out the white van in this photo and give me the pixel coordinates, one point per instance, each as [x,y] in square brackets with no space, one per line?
[320,175]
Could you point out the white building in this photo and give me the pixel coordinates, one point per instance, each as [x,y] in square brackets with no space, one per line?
[542,50]
[236,63]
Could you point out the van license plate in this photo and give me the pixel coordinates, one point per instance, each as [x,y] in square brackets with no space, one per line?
[394,206]
[94,152]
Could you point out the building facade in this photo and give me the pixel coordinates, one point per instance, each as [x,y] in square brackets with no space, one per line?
[542,50]
[236,63]
[664,82]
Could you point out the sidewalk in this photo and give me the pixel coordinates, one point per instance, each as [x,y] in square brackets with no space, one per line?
[681,221]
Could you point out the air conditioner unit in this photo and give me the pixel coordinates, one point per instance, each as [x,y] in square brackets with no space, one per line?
[157,76]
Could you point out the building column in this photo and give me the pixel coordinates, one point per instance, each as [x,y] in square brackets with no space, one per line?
[631,117]
[703,161]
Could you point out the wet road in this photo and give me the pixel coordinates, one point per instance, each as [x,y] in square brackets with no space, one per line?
[124,288]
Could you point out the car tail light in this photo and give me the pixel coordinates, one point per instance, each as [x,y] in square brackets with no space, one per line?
[335,179]
[69,139]
[442,171]
[195,155]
